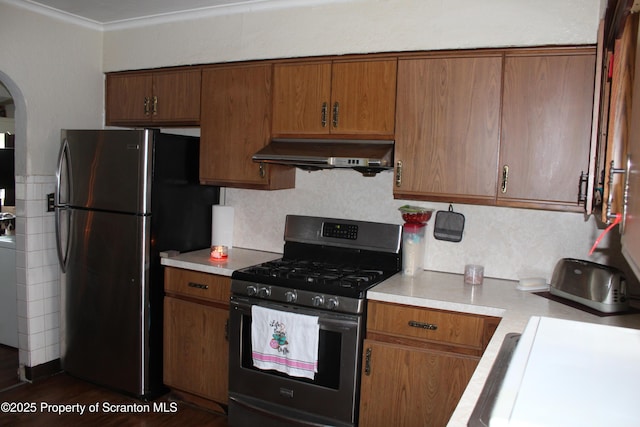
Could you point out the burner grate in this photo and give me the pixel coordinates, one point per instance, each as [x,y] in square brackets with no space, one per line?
[318,273]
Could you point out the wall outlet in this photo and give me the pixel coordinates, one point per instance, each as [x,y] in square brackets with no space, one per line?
[50,203]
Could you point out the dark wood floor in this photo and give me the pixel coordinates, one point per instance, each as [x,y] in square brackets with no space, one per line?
[62,389]
[8,367]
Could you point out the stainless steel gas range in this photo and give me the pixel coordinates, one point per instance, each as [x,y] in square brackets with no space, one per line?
[321,281]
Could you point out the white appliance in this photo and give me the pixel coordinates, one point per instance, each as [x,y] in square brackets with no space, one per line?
[8,292]
[565,373]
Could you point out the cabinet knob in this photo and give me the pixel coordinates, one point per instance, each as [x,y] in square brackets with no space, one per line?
[421,325]
[399,173]
[154,108]
[367,362]
[582,188]
[625,192]
[262,170]
[197,285]
[505,178]
[323,115]
[336,109]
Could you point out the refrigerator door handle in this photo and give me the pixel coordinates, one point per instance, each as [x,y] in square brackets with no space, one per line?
[62,253]
[62,156]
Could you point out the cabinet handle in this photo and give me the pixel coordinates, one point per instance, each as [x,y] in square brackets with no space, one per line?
[154,109]
[505,178]
[582,185]
[323,115]
[399,173]
[336,109]
[625,193]
[367,362]
[262,170]
[197,285]
[146,105]
[429,326]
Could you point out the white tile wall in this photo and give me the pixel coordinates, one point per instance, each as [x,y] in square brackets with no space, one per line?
[38,295]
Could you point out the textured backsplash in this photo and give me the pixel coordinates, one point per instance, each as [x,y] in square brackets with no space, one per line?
[510,243]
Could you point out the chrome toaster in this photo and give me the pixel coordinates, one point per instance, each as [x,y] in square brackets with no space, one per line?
[598,286]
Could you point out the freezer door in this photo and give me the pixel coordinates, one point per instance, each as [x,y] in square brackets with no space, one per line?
[105,297]
[106,169]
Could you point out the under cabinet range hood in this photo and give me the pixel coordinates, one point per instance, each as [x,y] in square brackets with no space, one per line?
[366,156]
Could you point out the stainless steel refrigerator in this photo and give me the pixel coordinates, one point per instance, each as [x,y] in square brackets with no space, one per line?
[122,197]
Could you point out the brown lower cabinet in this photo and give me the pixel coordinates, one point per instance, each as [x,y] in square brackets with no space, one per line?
[417,362]
[196,345]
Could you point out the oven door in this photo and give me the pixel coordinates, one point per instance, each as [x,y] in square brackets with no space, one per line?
[269,396]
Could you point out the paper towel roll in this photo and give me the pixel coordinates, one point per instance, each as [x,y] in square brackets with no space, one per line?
[222,226]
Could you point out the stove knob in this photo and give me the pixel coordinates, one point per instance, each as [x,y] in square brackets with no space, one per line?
[264,292]
[252,290]
[333,303]
[317,301]
[290,296]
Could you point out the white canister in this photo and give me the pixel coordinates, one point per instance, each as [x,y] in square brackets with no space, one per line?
[413,248]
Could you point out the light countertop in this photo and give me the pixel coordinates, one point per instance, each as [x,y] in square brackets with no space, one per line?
[494,297]
[201,260]
[444,291]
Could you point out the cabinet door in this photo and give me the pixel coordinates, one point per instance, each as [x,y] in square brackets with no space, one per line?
[405,387]
[176,97]
[128,98]
[631,230]
[301,98]
[235,124]
[448,112]
[196,350]
[363,95]
[619,118]
[546,129]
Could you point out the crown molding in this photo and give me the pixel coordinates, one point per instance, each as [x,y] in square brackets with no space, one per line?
[55,13]
[204,12]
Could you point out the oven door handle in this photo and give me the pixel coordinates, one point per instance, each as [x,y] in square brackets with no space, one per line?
[328,321]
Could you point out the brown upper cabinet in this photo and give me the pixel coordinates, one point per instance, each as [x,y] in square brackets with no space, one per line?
[159,97]
[546,128]
[510,128]
[630,228]
[236,123]
[447,136]
[339,97]
[167,97]
[617,100]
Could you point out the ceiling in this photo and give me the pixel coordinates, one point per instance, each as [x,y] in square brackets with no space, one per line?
[112,11]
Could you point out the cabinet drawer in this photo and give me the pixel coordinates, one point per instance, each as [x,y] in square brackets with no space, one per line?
[439,326]
[195,284]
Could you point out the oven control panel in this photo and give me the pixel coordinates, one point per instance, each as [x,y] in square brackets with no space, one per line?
[298,297]
[340,231]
